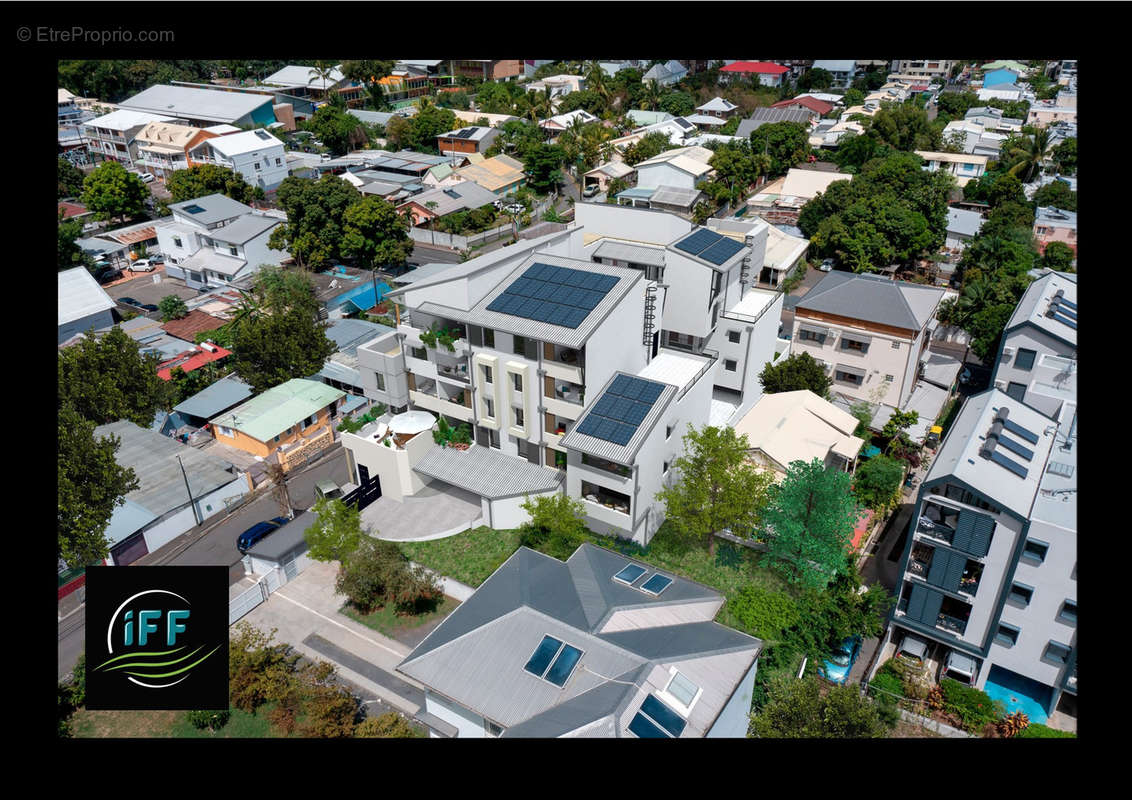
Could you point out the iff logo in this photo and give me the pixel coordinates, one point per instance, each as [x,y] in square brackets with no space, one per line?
[157,638]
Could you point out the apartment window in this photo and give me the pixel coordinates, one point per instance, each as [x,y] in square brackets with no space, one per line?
[224,431]
[277,438]
[664,468]
[177,241]
[1068,613]
[258,168]
[1034,552]
[517,380]
[890,378]
[233,250]
[734,336]
[486,374]
[729,365]
[1016,391]
[810,336]
[380,381]
[1025,359]
[1020,595]
[490,406]
[419,352]
[519,347]
[847,377]
[1007,635]
[517,414]
[488,337]
[668,431]
[278,162]
[852,344]
[1057,653]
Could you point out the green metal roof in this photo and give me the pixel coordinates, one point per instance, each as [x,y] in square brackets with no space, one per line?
[277,409]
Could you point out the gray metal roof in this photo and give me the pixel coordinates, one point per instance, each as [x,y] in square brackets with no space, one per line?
[675,196]
[153,458]
[488,472]
[284,539]
[126,520]
[762,116]
[215,399]
[428,271]
[1036,301]
[633,253]
[349,334]
[244,229]
[940,369]
[476,655]
[621,454]
[458,196]
[207,104]
[207,258]
[873,299]
[372,117]
[80,295]
[543,331]
[217,208]
[963,222]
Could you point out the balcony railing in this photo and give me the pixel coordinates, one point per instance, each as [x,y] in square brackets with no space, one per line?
[918,567]
[458,372]
[952,624]
[606,466]
[936,530]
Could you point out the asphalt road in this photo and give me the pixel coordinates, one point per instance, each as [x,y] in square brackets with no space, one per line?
[427,254]
[215,545]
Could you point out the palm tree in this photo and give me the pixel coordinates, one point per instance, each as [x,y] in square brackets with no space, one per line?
[607,150]
[322,71]
[651,97]
[1030,154]
[595,79]
[538,104]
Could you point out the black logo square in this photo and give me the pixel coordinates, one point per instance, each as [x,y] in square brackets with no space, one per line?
[157,638]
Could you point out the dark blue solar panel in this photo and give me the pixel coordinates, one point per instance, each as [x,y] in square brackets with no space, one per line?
[554,295]
[575,317]
[640,726]
[559,316]
[1065,321]
[592,281]
[698,241]
[1065,312]
[1014,427]
[663,715]
[605,283]
[534,271]
[620,433]
[650,391]
[630,573]
[577,278]
[560,670]
[656,584]
[589,426]
[604,406]
[1010,464]
[1014,447]
[722,250]
[1065,302]
[636,415]
[544,291]
[620,383]
[543,653]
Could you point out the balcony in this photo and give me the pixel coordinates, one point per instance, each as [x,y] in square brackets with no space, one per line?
[953,616]
[620,470]
[951,624]
[936,530]
[565,391]
[920,561]
[972,574]
[456,372]
[599,495]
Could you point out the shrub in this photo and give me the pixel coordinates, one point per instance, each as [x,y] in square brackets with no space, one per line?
[209,720]
[389,725]
[378,573]
[258,671]
[973,707]
[886,680]
[1036,730]
[766,614]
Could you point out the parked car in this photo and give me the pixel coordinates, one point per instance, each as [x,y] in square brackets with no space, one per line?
[146,177]
[149,307]
[826,265]
[960,668]
[590,190]
[913,650]
[839,663]
[327,489]
[256,532]
[107,273]
[129,301]
[498,204]
[141,265]
[157,259]
[516,208]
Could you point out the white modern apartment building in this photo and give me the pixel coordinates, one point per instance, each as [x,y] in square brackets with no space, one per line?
[214,240]
[256,155]
[112,137]
[586,352]
[923,68]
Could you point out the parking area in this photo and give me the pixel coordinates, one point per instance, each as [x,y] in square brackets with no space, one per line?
[436,509]
[148,287]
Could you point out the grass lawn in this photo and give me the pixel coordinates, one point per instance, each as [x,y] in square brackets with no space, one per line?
[385,620]
[468,557]
[166,725]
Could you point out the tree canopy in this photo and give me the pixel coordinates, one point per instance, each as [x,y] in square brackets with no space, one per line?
[1056,194]
[876,483]
[1065,156]
[70,179]
[808,709]
[106,379]
[172,307]
[787,144]
[90,485]
[335,128]
[374,234]
[904,127]
[314,230]
[337,533]
[716,486]
[273,349]
[1058,256]
[541,162]
[648,146]
[205,179]
[796,371]
[70,254]
[111,192]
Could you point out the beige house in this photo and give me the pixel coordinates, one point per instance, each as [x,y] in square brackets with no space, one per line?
[799,426]
[964,166]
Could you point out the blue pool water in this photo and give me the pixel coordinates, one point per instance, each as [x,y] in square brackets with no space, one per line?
[1019,693]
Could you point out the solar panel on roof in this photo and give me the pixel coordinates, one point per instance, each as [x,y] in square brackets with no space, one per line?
[620,433]
[1010,464]
[722,250]
[1065,321]
[563,666]
[656,584]
[1014,447]
[697,242]
[620,383]
[1065,302]
[194,209]
[540,660]
[1065,312]
[644,728]
[550,294]
[1014,427]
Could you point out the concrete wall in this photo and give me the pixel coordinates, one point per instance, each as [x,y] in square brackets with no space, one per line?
[392,465]
[208,506]
[733,720]
[506,512]
[384,355]
[686,308]
[637,225]
[256,252]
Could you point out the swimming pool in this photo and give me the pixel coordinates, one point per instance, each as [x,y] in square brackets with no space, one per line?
[1019,693]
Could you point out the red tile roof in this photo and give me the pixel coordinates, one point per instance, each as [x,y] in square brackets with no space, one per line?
[812,103]
[196,322]
[762,67]
[72,209]
[863,525]
[190,360]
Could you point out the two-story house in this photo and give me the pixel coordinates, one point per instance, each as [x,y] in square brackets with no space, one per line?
[163,148]
[472,139]
[764,72]
[204,107]
[256,155]
[1054,225]
[964,166]
[113,136]
[215,240]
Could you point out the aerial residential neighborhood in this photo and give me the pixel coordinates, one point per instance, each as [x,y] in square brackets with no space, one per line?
[592,398]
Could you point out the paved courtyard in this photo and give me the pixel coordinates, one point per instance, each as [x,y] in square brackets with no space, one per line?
[437,509]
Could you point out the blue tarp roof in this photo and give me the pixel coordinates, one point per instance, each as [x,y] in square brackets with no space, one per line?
[361,297]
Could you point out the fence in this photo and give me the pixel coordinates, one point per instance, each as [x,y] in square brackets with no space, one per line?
[243,603]
[459,242]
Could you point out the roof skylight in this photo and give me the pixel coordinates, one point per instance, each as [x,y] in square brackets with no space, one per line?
[561,659]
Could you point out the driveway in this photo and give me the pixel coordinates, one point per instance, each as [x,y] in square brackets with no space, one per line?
[142,287]
[437,510]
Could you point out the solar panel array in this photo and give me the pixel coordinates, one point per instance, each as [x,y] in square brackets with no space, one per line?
[555,295]
[621,409]
[1015,428]
[709,246]
[564,656]
[1010,464]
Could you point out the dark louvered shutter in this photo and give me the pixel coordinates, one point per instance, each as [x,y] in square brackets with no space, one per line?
[981,535]
[946,569]
[932,603]
[916,602]
[962,540]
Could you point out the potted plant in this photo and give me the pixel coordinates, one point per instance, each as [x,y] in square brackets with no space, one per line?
[428,338]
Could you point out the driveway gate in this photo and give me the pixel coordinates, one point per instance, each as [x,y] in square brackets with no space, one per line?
[364,494]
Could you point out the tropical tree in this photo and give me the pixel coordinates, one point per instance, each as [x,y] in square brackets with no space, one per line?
[172,307]
[106,379]
[337,533]
[270,350]
[432,205]
[1027,155]
[797,371]
[313,233]
[805,709]
[70,255]
[204,179]
[716,487]
[809,523]
[650,97]
[596,80]
[1065,156]
[70,179]
[375,234]
[113,193]
[1056,194]
[321,75]
[1058,256]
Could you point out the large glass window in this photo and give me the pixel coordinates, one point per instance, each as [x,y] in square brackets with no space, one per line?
[1025,359]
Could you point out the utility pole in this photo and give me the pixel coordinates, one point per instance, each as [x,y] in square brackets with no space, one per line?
[184,475]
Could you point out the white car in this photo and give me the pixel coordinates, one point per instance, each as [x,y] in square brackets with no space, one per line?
[516,208]
[146,177]
[826,265]
[141,265]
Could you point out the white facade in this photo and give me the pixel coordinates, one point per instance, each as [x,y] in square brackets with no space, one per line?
[193,254]
[256,155]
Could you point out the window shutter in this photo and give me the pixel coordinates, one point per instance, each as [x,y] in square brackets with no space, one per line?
[962,539]
[932,603]
[941,569]
[981,533]
[916,601]
[954,572]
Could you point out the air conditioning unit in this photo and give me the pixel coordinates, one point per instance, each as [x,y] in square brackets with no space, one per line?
[1001,385]
[1008,352]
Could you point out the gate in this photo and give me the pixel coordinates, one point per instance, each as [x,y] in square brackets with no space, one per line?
[364,494]
[245,602]
[290,568]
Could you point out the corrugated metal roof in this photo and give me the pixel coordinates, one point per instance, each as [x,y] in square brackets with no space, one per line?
[80,295]
[279,408]
[222,395]
[153,458]
[620,454]
[207,258]
[488,472]
[873,299]
[216,208]
[675,196]
[207,104]
[127,519]
[634,253]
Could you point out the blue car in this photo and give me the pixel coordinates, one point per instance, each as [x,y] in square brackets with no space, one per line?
[256,532]
[836,668]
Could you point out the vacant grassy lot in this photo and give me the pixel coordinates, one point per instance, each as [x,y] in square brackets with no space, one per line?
[387,621]
[166,725]
[467,557]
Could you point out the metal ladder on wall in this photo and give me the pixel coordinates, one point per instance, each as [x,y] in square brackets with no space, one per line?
[650,313]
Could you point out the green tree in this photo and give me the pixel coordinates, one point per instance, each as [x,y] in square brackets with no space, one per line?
[648,146]
[70,179]
[330,711]
[314,229]
[389,725]
[172,307]
[876,483]
[787,144]
[863,412]
[800,709]
[378,573]
[994,189]
[70,254]
[205,179]
[1026,155]
[375,234]
[278,289]
[797,371]
[956,104]
[819,79]
[492,98]
[1065,156]
[810,522]
[905,127]
[853,97]
[1056,194]
[853,151]
[106,379]
[1058,256]
[259,670]
[986,327]
[678,104]
[1011,109]
[541,162]
[337,533]
[894,429]
[429,122]
[271,350]
[113,193]
[557,524]
[717,487]
[335,128]
[90,485]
